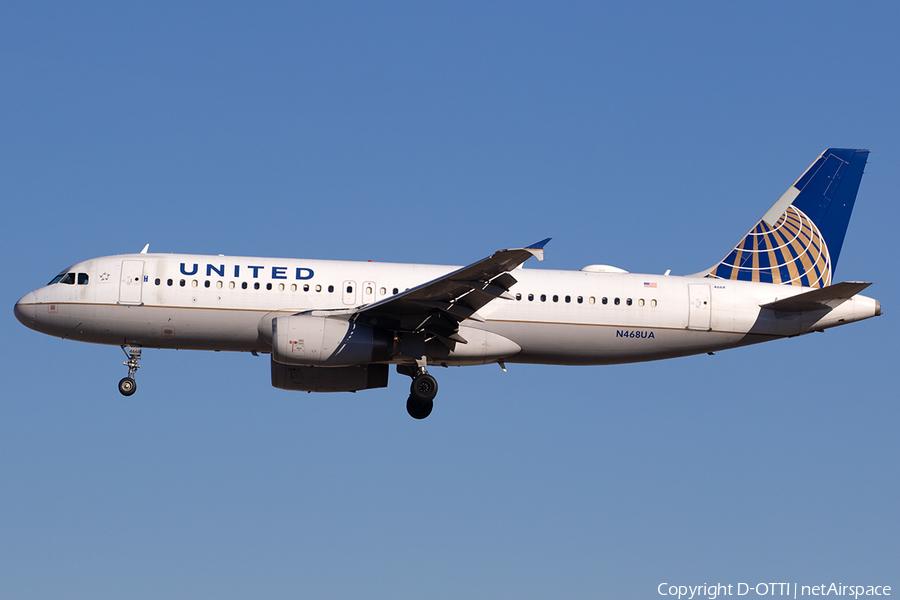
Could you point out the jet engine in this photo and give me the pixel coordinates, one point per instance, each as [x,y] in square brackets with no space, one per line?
[329,379]
[327,342]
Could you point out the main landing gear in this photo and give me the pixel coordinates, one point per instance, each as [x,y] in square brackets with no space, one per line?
[422,391]
[127,385]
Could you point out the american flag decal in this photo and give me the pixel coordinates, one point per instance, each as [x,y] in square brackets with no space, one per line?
[649,284]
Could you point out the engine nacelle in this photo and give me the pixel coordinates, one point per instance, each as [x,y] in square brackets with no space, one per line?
[327,342]
[329,379]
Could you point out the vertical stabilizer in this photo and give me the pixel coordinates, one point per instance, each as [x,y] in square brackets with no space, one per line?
[798,241]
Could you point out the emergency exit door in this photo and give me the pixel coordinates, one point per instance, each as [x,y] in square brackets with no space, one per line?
[349,295]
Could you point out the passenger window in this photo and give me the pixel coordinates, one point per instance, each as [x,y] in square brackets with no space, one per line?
[68,279]
[280,287]
[349,289]
[230,285]
[169,282]
[531,297]
[396,291]
[156,281]
[319,287]
[604,300]
[518,296]
[555,298]
[293,287]
[641,302]
[194,283]
[369,290]
[568,298]
[653,302]
[543,297]
[330,289]
[206,283]
[305,287]
[181,283]
[628,301]
[83,279]
[383,291]
[580,300]
[243,285]
[219,284]
[256,285]
[616,301]
[591,300]
[268,286]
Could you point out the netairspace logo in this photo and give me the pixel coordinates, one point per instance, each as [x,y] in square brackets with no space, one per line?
[713,591]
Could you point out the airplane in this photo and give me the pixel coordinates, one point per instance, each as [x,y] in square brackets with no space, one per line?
[337,326]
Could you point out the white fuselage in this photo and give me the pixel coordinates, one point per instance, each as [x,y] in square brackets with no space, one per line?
[558,317]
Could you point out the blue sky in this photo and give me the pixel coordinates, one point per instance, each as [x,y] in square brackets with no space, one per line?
[647,135]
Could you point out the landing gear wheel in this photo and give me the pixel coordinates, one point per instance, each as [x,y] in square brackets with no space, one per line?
[424,388]
[419,409]
[127,386]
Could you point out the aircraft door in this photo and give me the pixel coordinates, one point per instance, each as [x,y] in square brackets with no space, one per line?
[700,307]
[368,292]
[349,292]
[131,282]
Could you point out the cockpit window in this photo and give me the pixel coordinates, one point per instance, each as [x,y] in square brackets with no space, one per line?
[69,278]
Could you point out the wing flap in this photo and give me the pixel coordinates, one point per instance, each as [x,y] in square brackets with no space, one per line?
[824,298]
[455,309]
[453,297]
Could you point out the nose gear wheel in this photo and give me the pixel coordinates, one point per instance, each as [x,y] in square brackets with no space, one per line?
[127,385]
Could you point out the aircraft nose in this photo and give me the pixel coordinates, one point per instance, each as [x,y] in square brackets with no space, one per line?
[24,309]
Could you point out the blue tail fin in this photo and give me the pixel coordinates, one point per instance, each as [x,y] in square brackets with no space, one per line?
[798,241]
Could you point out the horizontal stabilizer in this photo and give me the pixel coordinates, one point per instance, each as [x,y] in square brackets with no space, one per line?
[820,299]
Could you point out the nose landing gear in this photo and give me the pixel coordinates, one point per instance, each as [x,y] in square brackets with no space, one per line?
[422,391]
[127,385]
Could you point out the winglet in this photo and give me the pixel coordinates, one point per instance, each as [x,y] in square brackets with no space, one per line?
[144,251]
[538,249]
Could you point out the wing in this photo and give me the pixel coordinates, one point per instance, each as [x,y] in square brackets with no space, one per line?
[438,306]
